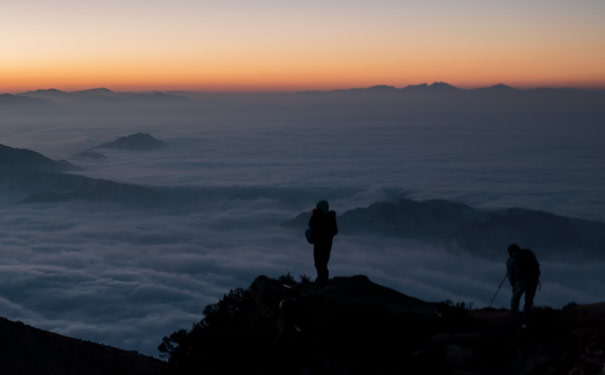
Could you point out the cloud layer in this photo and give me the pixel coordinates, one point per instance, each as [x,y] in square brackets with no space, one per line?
[127,276]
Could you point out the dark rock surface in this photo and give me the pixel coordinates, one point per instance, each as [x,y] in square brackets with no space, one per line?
[354,326]
[31,351]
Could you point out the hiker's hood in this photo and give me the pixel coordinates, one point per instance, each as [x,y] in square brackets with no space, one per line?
[324,207]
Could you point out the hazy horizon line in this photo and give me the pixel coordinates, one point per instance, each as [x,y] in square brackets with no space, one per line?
[268,90]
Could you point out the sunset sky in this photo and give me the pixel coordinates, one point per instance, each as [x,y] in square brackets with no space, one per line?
[287,45]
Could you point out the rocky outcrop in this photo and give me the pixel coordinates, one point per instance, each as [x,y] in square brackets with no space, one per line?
[354,326]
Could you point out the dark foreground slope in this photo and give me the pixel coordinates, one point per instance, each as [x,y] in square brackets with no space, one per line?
[31,351]
[354,326]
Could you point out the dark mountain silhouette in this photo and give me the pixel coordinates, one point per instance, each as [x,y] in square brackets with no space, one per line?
[354,326]
[94,91]
[99,100]
[429,102]
[435,87]
[483,232]
[44,92]
[378,89]
[443,99]
[134,142]
[31,351]
[499,88]
[23,158]
[41,179]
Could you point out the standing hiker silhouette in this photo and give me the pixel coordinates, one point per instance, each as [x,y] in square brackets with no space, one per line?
[523,272]
[322,228]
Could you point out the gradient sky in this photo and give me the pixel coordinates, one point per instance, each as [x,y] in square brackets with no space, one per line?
[286,45]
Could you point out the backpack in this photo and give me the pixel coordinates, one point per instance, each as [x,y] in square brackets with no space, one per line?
[310,235]
[527,264]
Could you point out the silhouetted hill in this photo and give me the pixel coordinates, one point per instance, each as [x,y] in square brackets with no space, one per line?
[98,93]
[25,350]
[40,179]
[435,87]
[95,91]
[378,89]
[97,101]
[354,326]
[483,232]
[499,88]
[134,142]
[44,92]
[23,158]
[441,98]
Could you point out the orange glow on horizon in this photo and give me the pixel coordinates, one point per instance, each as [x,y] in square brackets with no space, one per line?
[288,77]
[237,46]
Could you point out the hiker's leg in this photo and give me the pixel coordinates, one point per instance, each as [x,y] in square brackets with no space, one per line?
[326,258]
[317,260]
[530,292]
[517,292]
[323,256]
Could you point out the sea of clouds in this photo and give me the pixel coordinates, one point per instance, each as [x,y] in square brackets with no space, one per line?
[127,276]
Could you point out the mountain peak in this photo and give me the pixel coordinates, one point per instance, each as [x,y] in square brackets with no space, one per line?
[97,90]
[381,88]
[23,158]
[433,87]
[135,142]
[442,85]
[500,87]
[51,91]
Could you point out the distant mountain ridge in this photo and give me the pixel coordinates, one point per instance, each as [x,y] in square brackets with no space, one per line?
[483,232]
[18,157]
[428,87]
[100,98]
[41,179]
[379,101]
[100,92]
[445,87]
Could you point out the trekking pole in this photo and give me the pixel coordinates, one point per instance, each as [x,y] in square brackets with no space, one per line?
[499,287]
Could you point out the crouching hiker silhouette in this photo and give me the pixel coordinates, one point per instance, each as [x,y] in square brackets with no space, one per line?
[322,229]
[523,272]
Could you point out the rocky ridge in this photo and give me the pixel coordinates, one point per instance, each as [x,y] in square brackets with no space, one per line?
[354,326]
